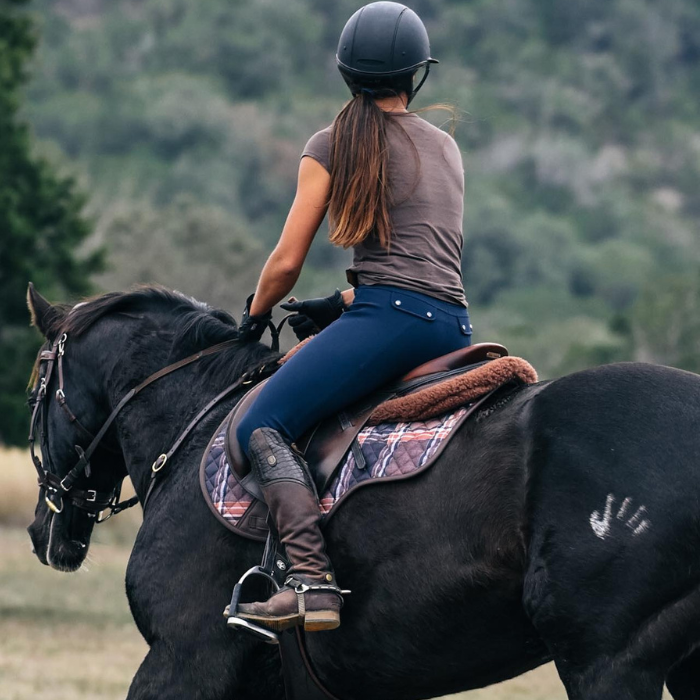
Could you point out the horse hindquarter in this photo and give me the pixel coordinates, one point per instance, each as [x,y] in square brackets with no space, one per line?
[613,580]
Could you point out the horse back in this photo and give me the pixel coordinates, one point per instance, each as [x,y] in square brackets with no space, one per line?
[629,429]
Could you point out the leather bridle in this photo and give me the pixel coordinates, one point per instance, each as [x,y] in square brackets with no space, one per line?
[55,488]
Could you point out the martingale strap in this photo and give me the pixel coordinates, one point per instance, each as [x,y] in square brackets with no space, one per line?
[158,465]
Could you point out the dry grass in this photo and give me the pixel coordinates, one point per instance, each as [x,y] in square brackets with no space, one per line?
[541,684]
[64,637]
[19,492]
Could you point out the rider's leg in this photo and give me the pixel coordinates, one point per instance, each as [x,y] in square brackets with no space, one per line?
[291,496]
[375,341]
[385,333]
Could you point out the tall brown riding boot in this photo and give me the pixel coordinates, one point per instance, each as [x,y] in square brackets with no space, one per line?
[310,596]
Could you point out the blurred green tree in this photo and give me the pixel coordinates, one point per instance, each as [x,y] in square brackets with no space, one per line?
[664,325]
[175,249]
[40,226]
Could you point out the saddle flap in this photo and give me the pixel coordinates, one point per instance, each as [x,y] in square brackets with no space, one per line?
[236,457]
[323,447]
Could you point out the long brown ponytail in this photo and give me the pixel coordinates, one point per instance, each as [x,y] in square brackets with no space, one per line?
[359,192]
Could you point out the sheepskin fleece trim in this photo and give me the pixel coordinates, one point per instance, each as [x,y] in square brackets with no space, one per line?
[448,395]
[294,350]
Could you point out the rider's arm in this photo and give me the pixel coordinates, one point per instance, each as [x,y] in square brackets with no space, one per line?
[282,268]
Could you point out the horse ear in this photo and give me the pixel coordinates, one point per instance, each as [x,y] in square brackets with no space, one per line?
[44,316]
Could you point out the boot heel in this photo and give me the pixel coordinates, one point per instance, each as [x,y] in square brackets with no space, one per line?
[320,620]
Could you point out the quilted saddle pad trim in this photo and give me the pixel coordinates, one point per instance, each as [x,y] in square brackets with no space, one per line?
[403,477]
[207,497]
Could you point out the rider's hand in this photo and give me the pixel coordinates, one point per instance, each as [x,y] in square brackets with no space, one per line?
[313,315]
[252,327]
[303,326]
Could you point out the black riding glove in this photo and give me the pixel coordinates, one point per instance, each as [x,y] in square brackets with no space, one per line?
[313,315]
[252,327]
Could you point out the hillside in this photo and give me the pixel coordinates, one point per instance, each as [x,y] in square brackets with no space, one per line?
[580,133]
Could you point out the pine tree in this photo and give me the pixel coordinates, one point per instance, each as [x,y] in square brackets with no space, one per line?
[41,226]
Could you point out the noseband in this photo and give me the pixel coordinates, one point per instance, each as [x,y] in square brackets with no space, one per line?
[55,488]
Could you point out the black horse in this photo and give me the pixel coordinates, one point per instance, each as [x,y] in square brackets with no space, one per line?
[562,524]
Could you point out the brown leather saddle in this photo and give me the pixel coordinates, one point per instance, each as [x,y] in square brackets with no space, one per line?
[327,443]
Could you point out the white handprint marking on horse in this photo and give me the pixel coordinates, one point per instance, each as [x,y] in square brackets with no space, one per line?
[602,524]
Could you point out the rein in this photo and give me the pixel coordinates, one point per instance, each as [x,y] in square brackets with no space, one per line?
[55,488]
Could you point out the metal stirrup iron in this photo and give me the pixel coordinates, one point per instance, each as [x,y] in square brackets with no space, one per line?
[273,568]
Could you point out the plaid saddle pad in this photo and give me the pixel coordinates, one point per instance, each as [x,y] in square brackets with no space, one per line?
[390,450]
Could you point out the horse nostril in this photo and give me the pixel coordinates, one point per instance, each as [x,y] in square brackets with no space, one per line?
[33,550]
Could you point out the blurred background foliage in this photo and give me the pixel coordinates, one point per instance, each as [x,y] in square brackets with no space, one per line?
[183,123]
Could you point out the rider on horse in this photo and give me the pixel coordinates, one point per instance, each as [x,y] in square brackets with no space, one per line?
[393,187]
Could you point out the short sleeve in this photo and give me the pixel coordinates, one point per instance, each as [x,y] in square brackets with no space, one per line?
[451,153]
[318,147]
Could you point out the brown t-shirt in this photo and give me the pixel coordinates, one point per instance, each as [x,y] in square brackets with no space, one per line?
[426,180]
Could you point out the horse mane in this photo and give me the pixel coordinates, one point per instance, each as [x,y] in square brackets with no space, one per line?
[194,326]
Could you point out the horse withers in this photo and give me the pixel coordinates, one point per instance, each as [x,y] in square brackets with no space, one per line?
[561,523]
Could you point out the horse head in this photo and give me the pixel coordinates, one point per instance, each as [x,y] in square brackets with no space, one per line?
[97,357]
[70,404]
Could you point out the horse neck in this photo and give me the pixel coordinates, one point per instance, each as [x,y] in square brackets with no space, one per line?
[154,420]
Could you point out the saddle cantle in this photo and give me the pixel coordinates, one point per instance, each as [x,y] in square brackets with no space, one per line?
[474,354]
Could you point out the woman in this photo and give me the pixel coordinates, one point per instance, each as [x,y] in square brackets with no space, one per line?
[393,187]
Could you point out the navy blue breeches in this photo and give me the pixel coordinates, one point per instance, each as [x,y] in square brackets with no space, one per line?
[385,333]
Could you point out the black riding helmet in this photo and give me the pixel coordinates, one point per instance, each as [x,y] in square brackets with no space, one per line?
[381,47]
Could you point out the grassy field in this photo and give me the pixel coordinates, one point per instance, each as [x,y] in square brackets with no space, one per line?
[71,637]
[18,490]
[64,637]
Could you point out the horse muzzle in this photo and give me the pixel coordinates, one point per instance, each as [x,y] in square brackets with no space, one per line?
[39,539]
[56,543]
